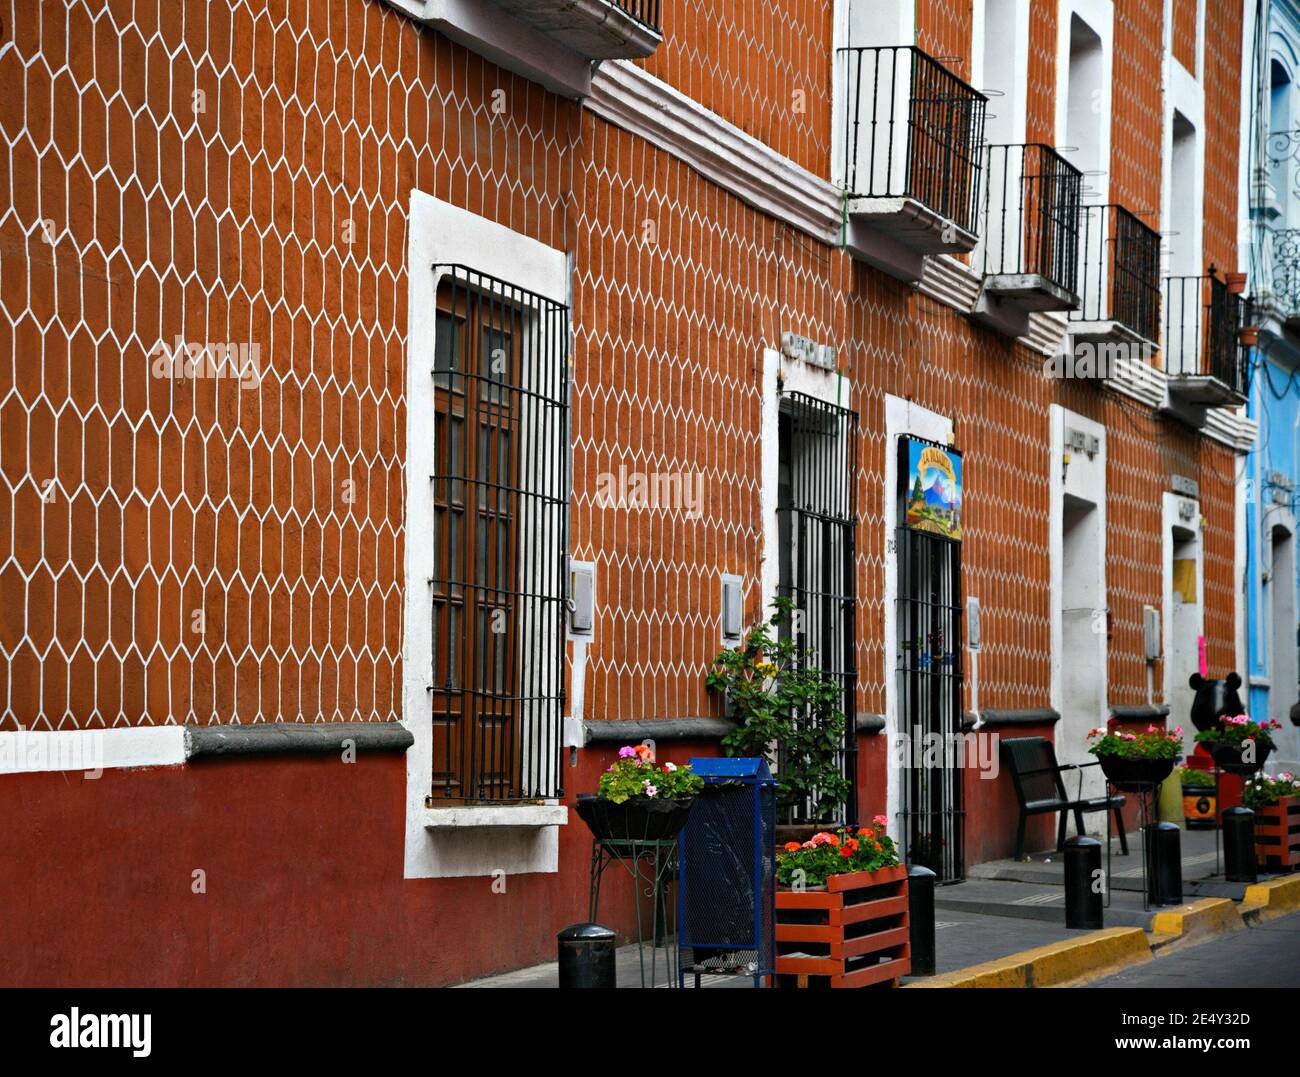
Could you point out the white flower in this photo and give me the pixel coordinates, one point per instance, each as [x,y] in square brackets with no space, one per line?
[670,767]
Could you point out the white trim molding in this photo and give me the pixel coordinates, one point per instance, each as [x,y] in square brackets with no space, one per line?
[628,97]
[28,751]
[471,841]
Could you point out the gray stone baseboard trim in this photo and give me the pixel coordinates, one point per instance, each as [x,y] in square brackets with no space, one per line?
[1140,714]
[284,738]
[604,732]
[994,716]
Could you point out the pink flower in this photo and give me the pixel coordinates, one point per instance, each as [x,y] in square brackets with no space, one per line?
[626,753]
[881,820]
[1178,731]
[651,790]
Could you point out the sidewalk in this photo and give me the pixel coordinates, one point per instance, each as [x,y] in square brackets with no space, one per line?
[1004,909]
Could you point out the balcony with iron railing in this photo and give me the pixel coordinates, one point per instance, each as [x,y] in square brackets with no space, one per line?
[1029,255]
[555,43]
[1201,342]
[911,133]
[1118,279]
[596,29]
[1285,297]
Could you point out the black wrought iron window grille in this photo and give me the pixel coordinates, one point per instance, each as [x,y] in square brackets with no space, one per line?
[912,129]
[500,537]
[817,519]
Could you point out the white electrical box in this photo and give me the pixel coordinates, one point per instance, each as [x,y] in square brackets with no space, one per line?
[972,623]
[1151,633]
[733,613]
[582,597]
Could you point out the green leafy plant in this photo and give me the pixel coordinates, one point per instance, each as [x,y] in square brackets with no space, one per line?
[1155,743]
[1192,776]
[1235,731]
[634,774]
[1261,791]
[786,706]
[811,862]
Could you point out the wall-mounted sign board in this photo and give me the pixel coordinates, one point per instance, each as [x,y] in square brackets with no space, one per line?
[931,488]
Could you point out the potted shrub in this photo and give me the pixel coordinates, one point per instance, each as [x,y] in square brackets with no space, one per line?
[1198,799]
[639,800]
[1276,804]
[790,714]
[1136,762]
[1238,745]
[841,910]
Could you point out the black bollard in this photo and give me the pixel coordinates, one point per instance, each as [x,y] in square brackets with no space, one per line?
[586,956]
[1239,845]
[1083,878]
[1164,863]
[920,915]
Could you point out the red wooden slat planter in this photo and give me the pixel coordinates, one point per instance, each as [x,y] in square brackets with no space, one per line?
[1277,834]
[853,933]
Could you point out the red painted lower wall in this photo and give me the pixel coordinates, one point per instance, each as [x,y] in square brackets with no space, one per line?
[302,869]
[302,858]
[992,811]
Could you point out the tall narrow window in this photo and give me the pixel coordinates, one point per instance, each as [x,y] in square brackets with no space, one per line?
[817,522]
[1184,212]
[500,386]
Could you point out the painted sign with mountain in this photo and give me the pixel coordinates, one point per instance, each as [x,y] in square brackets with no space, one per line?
[933,501]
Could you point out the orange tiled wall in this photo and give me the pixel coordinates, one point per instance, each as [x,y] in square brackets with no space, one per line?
[276,215]
[1184,37]
[1222,84]
[764,65]
[1136,127]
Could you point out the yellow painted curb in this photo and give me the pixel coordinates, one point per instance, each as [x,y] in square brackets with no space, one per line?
[1057,963]
[1209,916]
[1277,897]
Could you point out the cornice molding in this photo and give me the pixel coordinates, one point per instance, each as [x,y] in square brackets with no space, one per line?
[627,96]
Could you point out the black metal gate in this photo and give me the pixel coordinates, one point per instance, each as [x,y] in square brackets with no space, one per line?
[817,513]
[929,679]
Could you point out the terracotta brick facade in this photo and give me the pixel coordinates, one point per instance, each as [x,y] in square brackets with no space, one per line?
[274,215]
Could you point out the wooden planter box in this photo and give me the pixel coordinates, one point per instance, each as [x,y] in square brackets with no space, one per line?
[1277,834]
[852,933]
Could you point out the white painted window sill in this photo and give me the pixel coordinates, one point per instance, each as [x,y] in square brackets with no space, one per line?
[506,815]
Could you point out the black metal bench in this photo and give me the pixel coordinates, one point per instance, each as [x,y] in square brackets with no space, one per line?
[1040,789]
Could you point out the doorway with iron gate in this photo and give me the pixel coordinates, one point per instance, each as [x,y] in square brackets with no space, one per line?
[929,661]
[817,520]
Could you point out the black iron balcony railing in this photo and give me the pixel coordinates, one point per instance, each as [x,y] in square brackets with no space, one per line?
[1286,270]
[912,129]
[1031,225]
[1202,330]
[646,12]
[1119,270]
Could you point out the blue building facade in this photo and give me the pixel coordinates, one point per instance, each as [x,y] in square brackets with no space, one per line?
[1273,468]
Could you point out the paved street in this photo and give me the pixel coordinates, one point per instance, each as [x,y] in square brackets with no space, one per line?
[1265,956]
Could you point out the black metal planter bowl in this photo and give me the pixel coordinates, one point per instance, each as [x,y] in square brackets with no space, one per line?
[1227,757]
[1135,775]
[636,819]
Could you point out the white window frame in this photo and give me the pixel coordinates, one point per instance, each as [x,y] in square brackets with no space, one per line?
[456,841]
